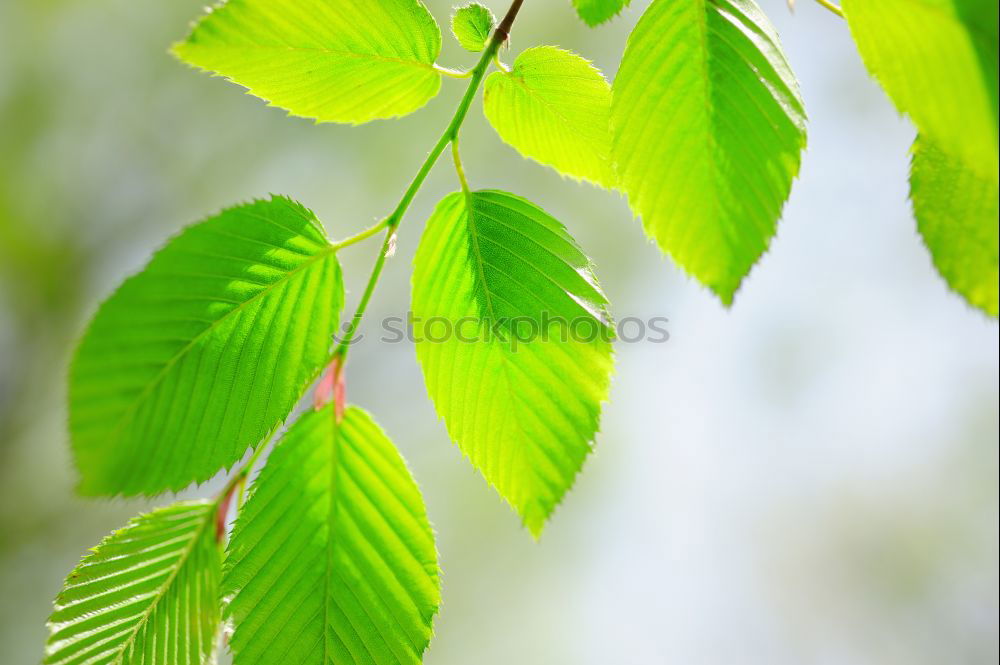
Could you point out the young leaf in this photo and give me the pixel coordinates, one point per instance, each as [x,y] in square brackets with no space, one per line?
[472,25]
[554,107]
[148,594]
[514,341]
[956,210]
[205,352]
[937,60]
[332,559]
[345,62]
[594,12]
[708,130]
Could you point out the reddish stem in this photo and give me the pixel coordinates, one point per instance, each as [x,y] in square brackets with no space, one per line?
[331,387]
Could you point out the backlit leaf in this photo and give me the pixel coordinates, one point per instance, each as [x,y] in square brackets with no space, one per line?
[345,62]
[594,12]
[472,26]
[956,210]
[332,559]
[937,60]
[147,595]
[708,129]
[514,341]
[554,107]
[202,354]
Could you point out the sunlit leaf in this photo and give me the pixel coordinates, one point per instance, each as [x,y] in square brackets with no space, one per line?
[594,12]
[203,353]
[937,60]
[332,559]
[147,595]
[957,211]
[555,107]
[708,129]
[472,26]
[345,62]
[514,341]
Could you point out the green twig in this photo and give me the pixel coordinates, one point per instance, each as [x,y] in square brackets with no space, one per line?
[450,135]
[832,7]
[367,233]
[459,169]
[235,485]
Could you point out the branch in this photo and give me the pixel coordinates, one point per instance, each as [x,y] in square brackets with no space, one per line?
[500,35]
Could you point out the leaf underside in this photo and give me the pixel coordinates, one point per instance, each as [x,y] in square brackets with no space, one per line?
[708,129]
[937,60]
[347,62]
[554,107]
[498,271]
[332,559]
[595,12]
[202,354]
[956,211]
[147,595]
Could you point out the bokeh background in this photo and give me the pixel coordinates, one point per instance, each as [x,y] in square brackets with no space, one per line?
[808,478]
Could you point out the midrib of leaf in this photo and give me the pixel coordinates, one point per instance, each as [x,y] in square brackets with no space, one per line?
[519,451]
[336,52]
[182,559]
[331,518]
[480,263]
[332,572]
[714,121]
[128,414]
[539,269]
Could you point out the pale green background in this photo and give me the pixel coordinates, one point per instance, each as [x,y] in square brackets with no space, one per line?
[810,478]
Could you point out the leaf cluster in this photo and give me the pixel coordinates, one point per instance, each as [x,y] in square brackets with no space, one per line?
[202,356]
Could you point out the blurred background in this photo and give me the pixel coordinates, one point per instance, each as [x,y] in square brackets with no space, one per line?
[808,478]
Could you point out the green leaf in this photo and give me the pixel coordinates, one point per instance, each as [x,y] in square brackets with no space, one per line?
[594,12]
[555,107]
[956,210]
[937,60]
[708,130]
[332,559]
[147,595]
[514,340]
[206,351]
[345,62]
[472,25]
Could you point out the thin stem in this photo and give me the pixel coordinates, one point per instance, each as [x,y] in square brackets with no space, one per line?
[242,473]
[459,169]
[353,240]
[832,7]
[342,348]
[452,73]
[233,486]
[450,134]
[499,64]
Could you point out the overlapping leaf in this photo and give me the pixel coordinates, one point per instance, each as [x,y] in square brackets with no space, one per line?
[937,60]
[708,130]
[147,595]
[514,341]
[554,107]
[594,12]
[347,62]
[204,352]
[472,26]
[332,559]
[956,210]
